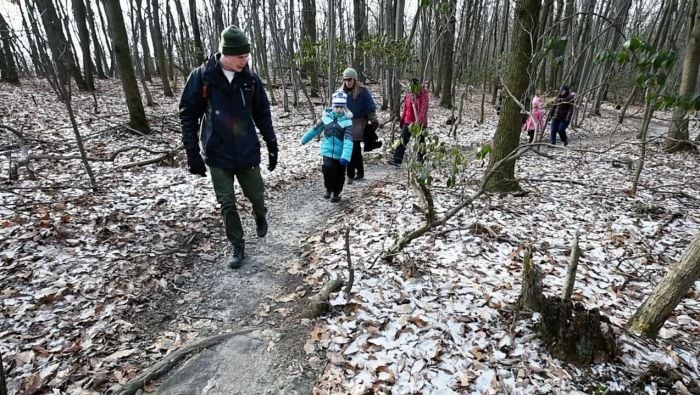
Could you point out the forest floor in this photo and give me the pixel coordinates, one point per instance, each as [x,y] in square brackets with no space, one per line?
[97,286]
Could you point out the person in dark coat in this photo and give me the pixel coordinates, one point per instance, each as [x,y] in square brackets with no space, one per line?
[363,109]
[561,114]
[221,105]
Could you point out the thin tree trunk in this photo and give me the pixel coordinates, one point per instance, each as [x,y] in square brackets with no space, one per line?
[80,15]
[308,44]
[659,306]
[678,135]
[160,51]
[448,38]
[198,48]
[145,49]
[137,115]
[9,69]
[100,60]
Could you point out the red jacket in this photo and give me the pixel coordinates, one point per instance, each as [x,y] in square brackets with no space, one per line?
[421,102]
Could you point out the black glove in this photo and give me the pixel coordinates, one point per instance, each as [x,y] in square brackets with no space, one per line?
[195,162]
[272,163]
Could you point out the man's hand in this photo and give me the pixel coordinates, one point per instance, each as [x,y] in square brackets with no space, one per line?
[196,163]
[344,163]
[272,163]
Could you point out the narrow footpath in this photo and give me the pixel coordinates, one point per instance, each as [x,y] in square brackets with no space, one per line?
[267,357]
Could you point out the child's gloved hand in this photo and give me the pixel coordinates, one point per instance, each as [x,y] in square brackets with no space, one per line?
[344,163]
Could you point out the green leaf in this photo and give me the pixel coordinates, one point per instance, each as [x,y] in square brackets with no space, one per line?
[623,57]
[482,152]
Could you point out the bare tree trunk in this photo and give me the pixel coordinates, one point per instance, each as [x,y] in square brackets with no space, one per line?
[678,135]
[648,112]
[652,314]
[308,44]
[145,49]
[8,72]
[137,115]
[198,48]
[60,48]
[448,38]
[331,49]
[507,136]
[100,60]
[159,50]
[218,16]
[80,15]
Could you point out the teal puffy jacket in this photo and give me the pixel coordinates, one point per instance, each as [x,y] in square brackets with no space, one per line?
[337,134]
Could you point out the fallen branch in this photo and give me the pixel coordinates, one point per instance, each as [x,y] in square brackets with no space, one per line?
[351,271]
[167,155]
[164,366]
[318,305]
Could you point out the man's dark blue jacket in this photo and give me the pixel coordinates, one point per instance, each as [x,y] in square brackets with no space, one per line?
[227,116]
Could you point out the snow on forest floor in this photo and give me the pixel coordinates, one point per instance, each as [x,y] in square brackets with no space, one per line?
[78,267]
[439,320]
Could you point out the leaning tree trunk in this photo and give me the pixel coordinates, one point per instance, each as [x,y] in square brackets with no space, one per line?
[142,26]
[650,317]
[160,51]
[9,74]
[678,136]
[137,115]
[507,134]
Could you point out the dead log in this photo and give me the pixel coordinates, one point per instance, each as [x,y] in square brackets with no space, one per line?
[573,265]
[531,296]
[318,305]
[164,366]
[652,314]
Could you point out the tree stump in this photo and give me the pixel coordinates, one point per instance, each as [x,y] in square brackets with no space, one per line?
[531,294]
[575,334]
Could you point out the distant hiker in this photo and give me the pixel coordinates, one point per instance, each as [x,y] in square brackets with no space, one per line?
[226,100]
[336,146]
[363,109]
[535,121]
[561,114]
[415,110]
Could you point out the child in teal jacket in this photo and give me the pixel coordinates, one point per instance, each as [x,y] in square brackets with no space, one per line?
[336,147]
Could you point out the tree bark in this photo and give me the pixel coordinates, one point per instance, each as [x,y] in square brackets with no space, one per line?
[659,306]
[448,39]
[61,52]
[8,71]
[308,44]
[160,51]
[678,136]
[100,60]
[137,115]
[80,15]
[145,49]
[507,134]
[198,48]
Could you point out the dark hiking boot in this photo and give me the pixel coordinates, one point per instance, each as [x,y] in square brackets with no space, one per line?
[335,199]
[359,177]
[261,226]
[327,195]
[350,180]
[394,162]
[235,260]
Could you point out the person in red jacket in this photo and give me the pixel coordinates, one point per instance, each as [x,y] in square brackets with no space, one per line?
[415,109]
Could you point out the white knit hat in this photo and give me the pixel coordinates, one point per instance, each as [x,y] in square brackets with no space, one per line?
[339,99]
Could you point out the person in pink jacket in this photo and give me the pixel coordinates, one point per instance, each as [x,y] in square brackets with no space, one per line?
[536,121]
[417,102]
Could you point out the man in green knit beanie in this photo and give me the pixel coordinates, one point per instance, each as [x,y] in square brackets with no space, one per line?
[221,106]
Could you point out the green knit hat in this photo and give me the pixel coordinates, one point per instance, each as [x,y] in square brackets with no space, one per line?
[233,42]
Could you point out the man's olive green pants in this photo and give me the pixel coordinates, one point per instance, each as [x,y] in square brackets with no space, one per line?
[251,183]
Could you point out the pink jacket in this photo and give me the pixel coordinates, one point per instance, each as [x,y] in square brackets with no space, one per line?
[536,120]
[421,101]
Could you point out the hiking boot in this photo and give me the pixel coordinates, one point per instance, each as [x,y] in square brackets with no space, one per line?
[327,195]
[359,177]
[261,226]
[394,162]
[235,260]
[350,180]
[335,199]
